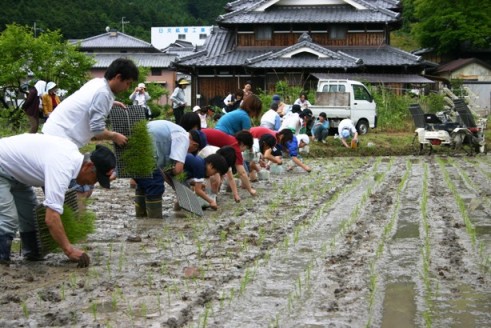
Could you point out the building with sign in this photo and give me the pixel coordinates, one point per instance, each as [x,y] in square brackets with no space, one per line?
[162,37]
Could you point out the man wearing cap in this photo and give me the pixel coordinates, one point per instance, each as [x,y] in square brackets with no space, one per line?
[42,160]
[171,145]
[178,99]
[281,104]
[320,129]
[140,97]
[346,129]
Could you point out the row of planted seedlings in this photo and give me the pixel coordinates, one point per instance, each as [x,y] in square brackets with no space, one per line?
[476,187]
[282,219]
[373,281]
[430,288]
[301,288]
[477,245]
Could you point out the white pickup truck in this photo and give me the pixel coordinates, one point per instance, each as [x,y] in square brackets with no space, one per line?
[341,99]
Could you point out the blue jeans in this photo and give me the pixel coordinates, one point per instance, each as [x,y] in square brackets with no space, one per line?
[17,203]
[153,188]
[320,133]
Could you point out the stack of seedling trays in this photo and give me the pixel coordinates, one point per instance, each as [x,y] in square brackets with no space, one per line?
[134,160]
[77,224]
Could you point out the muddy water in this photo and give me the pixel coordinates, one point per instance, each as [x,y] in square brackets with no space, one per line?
[340,247]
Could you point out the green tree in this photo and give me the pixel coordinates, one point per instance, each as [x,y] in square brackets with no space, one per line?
[47,57]
[449,25]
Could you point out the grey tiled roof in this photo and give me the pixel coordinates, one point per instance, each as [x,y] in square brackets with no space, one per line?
[375,78]
[382,56]
[245,4]
[141,59]
[311,14]
[271,56]
[114,40]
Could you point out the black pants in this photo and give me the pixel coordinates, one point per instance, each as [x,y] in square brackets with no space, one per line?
[178,113]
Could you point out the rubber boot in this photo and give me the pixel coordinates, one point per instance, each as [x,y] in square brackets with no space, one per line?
[5,246]
[154,208]
[30,246]
[140,207]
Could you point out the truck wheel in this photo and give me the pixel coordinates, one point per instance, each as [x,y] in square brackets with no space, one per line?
[362,127]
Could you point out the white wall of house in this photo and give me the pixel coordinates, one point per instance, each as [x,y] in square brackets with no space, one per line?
[162,37]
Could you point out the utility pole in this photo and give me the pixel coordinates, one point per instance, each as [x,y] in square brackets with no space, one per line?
[35,29]
[123,22]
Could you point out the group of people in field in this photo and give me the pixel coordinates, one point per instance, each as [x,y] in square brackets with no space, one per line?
[188,146]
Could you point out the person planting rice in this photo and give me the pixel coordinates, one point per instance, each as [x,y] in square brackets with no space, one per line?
[346,130]
[51,162]
[240,142]
[198,169]
[171,145]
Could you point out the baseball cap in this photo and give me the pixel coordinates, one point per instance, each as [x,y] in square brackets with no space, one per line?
[199,137]
[304,138]
[142,85]
[196,108]
[104,161]
[345,133]
[276,98]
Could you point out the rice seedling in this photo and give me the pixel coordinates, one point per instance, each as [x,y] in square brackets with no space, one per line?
[77,227]
[25,310]
[138,154]
[93,308]
[62,291]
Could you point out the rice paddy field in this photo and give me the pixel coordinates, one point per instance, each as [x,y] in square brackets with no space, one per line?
[401,241]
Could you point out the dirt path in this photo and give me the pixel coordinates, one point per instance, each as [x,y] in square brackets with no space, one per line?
[359,242]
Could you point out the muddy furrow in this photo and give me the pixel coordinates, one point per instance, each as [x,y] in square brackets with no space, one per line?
[462,291]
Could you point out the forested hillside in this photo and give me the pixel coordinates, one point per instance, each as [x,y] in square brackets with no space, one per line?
[82,19]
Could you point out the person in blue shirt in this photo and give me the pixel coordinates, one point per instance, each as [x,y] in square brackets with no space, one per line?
[197,169]
[320,129]
[240,119]
[288,144]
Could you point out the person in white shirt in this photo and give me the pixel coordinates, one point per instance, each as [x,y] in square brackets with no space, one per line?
[303,101]
[292,120]
[141,97]
[28,160]
[346,129]
[271,119]
[82,116]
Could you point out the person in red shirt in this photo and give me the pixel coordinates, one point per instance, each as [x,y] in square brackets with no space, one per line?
[241,141]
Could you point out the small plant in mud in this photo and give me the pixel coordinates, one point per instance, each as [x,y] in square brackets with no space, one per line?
[25,310]
[93,309]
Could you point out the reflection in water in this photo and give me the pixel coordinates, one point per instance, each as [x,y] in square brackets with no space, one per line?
[399,306]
